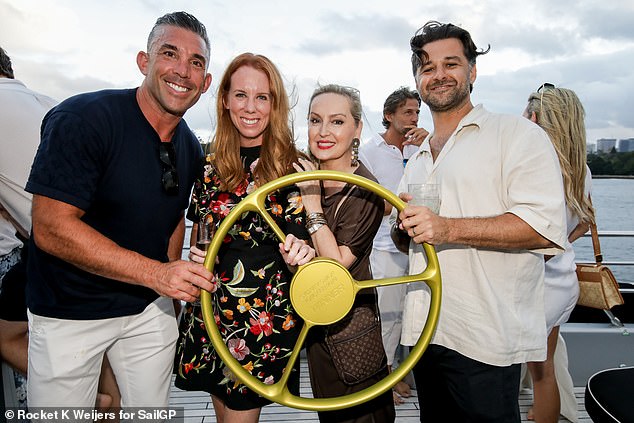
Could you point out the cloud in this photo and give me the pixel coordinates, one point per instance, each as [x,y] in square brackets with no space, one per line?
[606,91]
[54,82]
[358,32]
[608,20]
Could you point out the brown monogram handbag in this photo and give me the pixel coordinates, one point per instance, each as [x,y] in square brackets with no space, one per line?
[597,286]
[356,346]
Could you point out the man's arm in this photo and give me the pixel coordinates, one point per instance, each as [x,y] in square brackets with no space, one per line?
[59,231]
[506,231]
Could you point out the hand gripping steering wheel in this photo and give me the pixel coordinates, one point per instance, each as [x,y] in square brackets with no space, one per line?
[311,297]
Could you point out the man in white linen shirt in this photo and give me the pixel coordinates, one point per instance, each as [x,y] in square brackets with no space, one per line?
[502,207]
[385,156]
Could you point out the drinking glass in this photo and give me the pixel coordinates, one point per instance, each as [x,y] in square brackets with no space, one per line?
[427,195]
[205,233]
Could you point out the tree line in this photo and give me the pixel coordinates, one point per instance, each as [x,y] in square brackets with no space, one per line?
[612,163]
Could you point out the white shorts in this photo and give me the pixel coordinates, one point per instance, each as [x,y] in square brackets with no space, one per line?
[65,357]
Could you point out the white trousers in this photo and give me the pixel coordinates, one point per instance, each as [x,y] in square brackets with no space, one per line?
[386,264]
[65,357]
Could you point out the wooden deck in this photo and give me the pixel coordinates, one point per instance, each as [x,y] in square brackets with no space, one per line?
[198,408]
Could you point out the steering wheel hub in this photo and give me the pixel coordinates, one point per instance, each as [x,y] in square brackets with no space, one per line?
[322,291]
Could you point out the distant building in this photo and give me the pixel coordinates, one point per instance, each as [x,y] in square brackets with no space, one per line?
[626,145]
[606,145]
[591,148]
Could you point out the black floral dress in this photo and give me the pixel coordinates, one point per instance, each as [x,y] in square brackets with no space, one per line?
[252,285]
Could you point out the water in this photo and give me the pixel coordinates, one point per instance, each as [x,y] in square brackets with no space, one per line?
[613,200]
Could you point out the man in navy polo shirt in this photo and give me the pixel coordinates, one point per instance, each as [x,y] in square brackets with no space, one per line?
[110,182]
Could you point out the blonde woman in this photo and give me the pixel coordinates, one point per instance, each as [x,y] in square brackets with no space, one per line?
[342,220]
[560,113]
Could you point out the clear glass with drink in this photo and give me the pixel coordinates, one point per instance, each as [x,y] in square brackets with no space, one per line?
[427,195]
[205,233]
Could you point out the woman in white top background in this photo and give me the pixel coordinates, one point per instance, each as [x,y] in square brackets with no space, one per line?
[560,113]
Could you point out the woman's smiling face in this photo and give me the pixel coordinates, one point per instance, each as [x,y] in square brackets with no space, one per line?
[331,129]
[249,103]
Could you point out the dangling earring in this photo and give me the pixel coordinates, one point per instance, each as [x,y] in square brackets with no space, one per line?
[355,152]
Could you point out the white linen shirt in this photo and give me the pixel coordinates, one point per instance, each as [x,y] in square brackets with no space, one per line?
[386,163]
[21,113]
[492,307]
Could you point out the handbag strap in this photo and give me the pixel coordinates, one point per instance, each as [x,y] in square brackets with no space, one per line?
[595,243]
[342,199]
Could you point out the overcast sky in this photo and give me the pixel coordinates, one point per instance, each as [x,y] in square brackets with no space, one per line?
[65,47]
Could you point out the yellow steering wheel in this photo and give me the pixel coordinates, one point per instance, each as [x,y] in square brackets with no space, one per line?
[311,297]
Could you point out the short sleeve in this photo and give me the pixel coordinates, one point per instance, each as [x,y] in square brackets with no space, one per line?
[358,221]
[69,160]
[534,186]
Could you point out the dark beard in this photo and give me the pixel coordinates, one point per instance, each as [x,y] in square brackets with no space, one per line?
[453,101]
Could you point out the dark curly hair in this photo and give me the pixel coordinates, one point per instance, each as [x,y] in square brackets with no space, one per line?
[434,31]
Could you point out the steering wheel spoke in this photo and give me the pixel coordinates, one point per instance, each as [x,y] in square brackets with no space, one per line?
[273,225]
[299,344]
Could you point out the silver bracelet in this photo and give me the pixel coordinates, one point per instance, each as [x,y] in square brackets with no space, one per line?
[312,221]
[315,215]
[314,228]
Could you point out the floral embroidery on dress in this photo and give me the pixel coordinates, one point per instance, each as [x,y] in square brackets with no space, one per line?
[250,296]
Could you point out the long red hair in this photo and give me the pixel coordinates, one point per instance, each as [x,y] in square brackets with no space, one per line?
[278,151]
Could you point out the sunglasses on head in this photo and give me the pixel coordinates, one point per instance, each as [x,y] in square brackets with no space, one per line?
[169,179]
[545,86]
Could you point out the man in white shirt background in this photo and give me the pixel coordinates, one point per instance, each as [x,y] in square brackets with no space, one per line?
[385,156]
[21,113]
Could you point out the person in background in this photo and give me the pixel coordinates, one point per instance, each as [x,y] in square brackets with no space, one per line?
[253,144]
[21,115]
[560,113]
[110,183]
[342,221]
[501,208]
[385,156]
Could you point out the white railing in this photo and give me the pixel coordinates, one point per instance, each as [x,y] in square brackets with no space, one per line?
[616,263]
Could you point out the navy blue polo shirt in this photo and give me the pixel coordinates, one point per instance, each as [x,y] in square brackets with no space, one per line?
[100,154]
